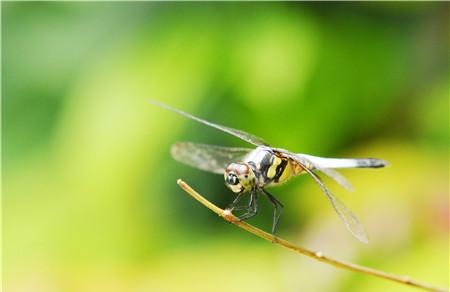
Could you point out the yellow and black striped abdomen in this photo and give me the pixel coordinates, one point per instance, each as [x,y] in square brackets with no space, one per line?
[281,169]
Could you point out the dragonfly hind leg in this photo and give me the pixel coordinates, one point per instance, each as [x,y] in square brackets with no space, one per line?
[277,211]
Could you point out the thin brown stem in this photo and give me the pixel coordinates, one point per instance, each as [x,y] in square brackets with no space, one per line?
[317,255]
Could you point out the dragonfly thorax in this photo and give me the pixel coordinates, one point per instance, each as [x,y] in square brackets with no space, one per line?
[239,177]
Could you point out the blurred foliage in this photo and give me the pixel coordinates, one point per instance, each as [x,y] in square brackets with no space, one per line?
[89,194]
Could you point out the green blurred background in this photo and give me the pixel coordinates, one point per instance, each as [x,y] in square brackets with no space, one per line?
[90,201]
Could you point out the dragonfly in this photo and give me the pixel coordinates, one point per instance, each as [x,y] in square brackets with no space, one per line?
[253,170]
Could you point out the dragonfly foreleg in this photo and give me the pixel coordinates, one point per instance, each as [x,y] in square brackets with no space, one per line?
[234,205]
[277,211]
[252,208]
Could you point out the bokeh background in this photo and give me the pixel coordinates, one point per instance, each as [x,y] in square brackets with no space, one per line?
[90,201]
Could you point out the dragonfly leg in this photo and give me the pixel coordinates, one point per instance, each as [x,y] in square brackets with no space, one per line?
[252,208]
[234,204]
[277,211]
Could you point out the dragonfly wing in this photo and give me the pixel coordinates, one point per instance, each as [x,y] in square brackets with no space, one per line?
[252,139]
[337,177]
[207,157]
[350,220]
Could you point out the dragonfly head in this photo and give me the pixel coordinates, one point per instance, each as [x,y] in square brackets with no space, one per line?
[239,177]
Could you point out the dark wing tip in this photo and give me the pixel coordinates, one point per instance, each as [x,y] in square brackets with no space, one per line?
[378,163]
[372,163]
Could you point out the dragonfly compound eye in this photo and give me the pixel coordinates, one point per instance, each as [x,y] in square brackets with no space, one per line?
[232,179]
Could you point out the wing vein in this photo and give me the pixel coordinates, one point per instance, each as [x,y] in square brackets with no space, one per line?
[250,138]
[210,158]
[350,220]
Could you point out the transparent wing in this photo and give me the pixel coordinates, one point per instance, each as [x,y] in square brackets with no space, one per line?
[207,157]
[337,177]
[237,133]
[350,220]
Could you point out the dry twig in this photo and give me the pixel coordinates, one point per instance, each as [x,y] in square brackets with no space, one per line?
[317,255]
